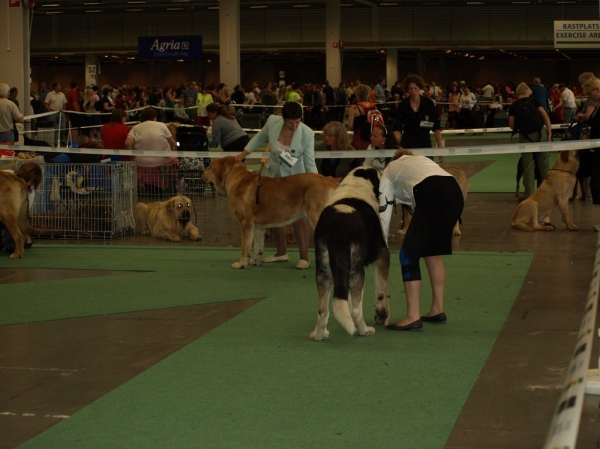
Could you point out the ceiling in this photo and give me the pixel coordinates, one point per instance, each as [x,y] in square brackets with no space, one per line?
[66,7]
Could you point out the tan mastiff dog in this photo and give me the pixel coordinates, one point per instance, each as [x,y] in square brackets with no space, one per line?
[14,209]
[170,220]
[260,202]
[533,214]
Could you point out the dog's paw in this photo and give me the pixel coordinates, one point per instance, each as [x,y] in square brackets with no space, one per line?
[196,237]
[317,336]
[572,228]
[368,332]
[381,316]
[255,262]
[175,239]
[15,256]
[237,265]
[145,232]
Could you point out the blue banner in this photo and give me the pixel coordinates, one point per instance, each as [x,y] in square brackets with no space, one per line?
[162,48]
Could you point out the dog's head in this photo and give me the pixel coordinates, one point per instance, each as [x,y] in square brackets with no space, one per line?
[218,170]
[361,183]
[370,174]
[568,161]
[181,208]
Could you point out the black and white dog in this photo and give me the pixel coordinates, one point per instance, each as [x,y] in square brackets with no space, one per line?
[349,237]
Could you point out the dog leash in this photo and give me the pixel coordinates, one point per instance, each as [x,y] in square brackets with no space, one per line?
[262,166]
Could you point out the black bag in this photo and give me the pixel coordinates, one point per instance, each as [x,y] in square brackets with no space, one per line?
[192,138]
[527,118]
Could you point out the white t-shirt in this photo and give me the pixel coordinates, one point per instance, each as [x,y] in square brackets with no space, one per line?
[488,91]
[398,180]
[151,136]
[568,98]
[8,112]
[56,101]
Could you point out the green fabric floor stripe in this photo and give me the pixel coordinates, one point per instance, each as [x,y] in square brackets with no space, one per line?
[258,381]
[499,177]
[175,277]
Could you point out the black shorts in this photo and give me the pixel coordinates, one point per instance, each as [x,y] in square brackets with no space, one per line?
[438,206]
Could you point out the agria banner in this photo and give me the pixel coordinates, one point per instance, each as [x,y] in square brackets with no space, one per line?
[170,47]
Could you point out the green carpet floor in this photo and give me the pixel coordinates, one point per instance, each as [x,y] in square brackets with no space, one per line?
[499,176]
[258,381]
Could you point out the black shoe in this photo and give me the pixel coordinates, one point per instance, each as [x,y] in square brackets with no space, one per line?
[414,326]
[440,318]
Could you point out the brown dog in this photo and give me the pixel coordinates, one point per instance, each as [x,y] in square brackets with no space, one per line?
[278,202]
[463,182]
[14,210]
[533,214]
[170,220]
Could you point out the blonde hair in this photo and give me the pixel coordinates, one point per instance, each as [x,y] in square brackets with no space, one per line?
[398,154]
[590,85]
[362,92]
[339,132]
[522,89]
[585,76]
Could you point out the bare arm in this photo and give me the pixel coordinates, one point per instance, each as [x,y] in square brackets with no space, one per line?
[171,143]
[129,143]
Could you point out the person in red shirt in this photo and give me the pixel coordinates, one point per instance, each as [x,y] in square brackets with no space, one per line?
[73,105]
[114,133]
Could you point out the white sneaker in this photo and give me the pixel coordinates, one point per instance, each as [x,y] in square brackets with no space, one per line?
[275,258]
[302,264]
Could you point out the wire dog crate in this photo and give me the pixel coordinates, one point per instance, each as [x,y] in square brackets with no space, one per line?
[85,200]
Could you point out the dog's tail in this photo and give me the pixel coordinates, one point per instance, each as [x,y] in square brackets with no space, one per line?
[341,311]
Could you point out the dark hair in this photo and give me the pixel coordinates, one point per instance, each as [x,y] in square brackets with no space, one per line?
[30,172]
[291,111]
[148,113]
[73,84]
[117,116]
[219,110]
[390,139]
[412,78]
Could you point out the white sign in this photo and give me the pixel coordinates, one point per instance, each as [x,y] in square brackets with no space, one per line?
[577,34]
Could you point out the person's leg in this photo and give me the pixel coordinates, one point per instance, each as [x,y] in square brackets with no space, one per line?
[301,232]
[543,164]
[437,275]
[595,178]
[279,234]
[411,275]
[528,174]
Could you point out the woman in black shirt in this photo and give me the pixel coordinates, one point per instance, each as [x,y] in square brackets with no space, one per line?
[417,117]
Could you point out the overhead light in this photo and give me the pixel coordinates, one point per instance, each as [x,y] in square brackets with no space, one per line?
[94,10]
[258,7]
[213,7]
[54,12]
[50,5]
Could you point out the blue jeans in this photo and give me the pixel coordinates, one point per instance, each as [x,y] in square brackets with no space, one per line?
[7,136]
